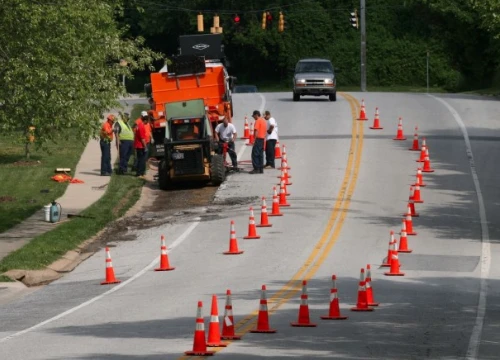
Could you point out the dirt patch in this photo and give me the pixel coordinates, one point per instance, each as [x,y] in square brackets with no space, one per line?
[116,210]
[27,163]
[6,198]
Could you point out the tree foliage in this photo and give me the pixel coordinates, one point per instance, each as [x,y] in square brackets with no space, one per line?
[60,64]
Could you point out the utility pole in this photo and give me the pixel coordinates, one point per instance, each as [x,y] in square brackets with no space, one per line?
[363,45]
[427,71]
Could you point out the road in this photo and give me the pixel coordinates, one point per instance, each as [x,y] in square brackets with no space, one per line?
[350,186]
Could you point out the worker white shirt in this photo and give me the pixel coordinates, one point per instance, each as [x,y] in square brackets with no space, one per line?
[274,134]
[225,132]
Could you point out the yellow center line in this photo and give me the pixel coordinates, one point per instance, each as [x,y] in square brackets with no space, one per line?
[326,242]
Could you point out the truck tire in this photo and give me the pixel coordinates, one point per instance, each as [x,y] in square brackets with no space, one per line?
[333,97]
[164,180]
[217,170]
[296,97]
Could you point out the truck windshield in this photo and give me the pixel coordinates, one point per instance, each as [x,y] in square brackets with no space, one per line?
[317,67]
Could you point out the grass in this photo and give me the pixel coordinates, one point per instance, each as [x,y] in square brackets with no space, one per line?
[121,194]
[26,188]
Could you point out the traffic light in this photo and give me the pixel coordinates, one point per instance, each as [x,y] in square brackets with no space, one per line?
[236,19]
[264,20]
[354,19]
[200,22]
[269,19]
[281,22]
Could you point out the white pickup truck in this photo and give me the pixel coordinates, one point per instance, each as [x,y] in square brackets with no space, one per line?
[316,77]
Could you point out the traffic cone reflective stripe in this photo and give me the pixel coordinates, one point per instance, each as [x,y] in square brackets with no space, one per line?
[275,211]
[228,323]
[303,319]
[283,201]
[252,230]
[284,151]
[394,267]
[403,240]
[400,134]
[246,131]
[110,272]
[415,145]
[376,121]
[199,343]
[416,195]
[369,289]
[264,220]
[427,162]
[362,304]
[392,248]
[277,150]
[164,263]
[409,223]
[251,138]
[263,318]
[422,151]
[214,327]
[233,242]
[362,111]
[334,312]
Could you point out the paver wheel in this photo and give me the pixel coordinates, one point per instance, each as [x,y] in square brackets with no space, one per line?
[164,180]
[217,170]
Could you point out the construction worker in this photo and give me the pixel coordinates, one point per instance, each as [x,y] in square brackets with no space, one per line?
[260,130]
[271,138]
[144,119]
[106,137]
[225,132]
[124,142]
[140,147]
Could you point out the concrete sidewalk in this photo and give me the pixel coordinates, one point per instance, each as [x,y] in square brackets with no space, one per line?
[76,198]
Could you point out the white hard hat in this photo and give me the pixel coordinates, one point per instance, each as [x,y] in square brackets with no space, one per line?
[144,113]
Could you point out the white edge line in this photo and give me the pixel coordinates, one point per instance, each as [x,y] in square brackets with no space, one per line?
[475,338]
[178,241]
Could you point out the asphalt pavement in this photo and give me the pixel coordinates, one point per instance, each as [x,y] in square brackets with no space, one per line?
[350,187]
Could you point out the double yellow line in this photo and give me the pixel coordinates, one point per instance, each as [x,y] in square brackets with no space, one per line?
[329,236]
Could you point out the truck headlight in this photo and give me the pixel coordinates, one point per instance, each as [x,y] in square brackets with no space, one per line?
[328,81]
[300,81]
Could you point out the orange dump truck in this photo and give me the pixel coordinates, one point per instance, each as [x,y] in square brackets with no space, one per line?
[198,72]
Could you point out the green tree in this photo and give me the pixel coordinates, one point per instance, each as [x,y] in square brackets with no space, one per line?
[60,65]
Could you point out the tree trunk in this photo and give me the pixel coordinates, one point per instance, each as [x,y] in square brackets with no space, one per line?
[27,150]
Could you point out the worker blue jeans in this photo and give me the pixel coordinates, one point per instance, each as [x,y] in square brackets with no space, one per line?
[105,157]
[126,147]
[270,146]
[141,162]
[258,154]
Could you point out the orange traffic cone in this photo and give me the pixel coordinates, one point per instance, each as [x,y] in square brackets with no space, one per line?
[199,343]
[276,206]
[416,195]
[110,272]
[283,201]
[228,322]
[233,242]
[394,266]
[409,223]
[251,138]
[362,112]
[376,121]
[252,230]
[422,152]
[411,204]
[392,248]
[334,312]
[403,240]
[284,185]
[214,327]
[264,220]
[277,150]
[164,263]
[427,162]
[284,150]
[246,130]
[362,304]
[263,319]
[284,163]
[303,318]
[369,289]
[415,145]
[419,179]
[284,177]
[399,134]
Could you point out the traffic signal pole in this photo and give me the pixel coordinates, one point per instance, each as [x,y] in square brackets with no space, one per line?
[363,45]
